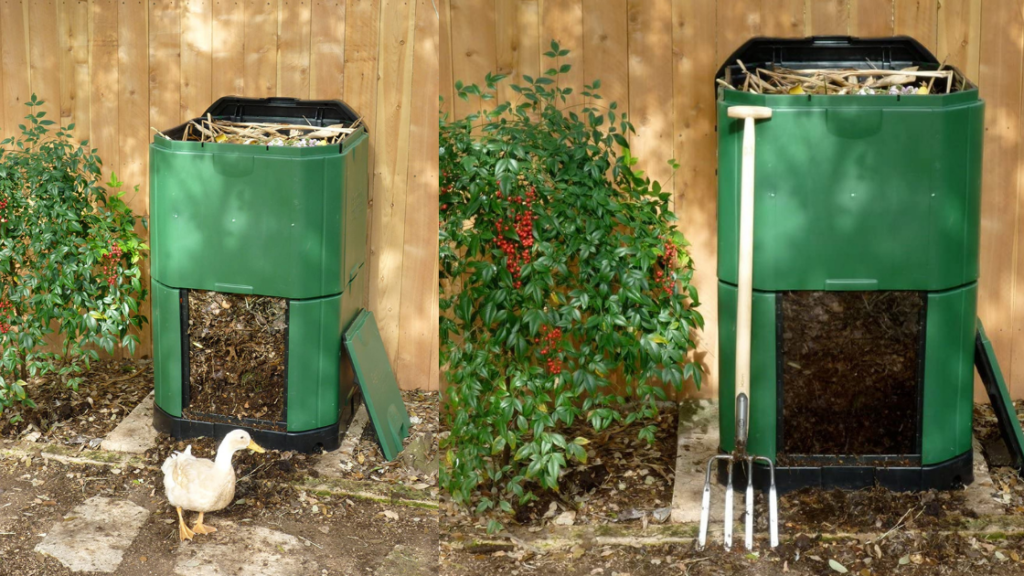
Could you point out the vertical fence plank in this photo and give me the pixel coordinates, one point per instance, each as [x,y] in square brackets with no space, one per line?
[394,99]
[164,64]
[562,21]
[418,305]
[260,48]
[604,34]
[228,48]
[918,19]
[17,88]
[361,55]
[446,89]
[293,48]
[825,17]
[695,147]
[649,26]
[529,41]
[784,18]
[736,23]
[1000,82]
[44,56]
[361,49]
[871,18]
[133,129]
[327,56]
[959,31]
[506,46]
[104,77]
[74,31]
[473,55]
[196,57]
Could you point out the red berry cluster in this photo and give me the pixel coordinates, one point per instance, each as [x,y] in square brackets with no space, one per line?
[663,276]
[5,308]
[551,338]
[3,207]
[516,258]
[110,263]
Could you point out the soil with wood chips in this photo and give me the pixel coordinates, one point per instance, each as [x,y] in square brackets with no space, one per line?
[237,358]
[850,368]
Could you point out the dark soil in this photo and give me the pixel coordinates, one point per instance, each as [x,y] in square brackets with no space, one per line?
[367,459]
[625,479]
[911,554]
[351,536]
[872,509]
[850,372]
[110,390]
[237,358]
[1009,485]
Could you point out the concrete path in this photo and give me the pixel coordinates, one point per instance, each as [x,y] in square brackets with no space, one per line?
[94,536]
[249,550]
[135,434]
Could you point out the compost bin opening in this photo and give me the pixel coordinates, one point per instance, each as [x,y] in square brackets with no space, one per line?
[237,358]
[850,374]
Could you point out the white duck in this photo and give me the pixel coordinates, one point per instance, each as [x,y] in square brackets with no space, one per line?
[201,485]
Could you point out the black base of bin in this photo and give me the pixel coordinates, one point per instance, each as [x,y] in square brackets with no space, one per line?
[949,475]
[327,438]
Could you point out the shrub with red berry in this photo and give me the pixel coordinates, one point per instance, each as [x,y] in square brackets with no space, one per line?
[70,258]
[559,267]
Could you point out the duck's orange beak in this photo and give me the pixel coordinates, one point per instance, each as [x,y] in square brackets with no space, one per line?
[255,447]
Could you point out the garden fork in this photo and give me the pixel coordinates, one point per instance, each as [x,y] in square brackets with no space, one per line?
[745,292]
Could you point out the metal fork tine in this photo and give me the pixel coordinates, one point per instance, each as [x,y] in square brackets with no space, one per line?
[727,538]
[773,502]
[705,506]
[750,504]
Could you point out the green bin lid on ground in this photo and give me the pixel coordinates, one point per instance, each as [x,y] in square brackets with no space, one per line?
[1002,405]
[377,381]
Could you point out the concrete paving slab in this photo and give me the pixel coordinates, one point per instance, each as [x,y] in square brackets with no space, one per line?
[95,534]
[334,463]
[135,434]
[978,495]
[408,561]
[697,441]
[250,550]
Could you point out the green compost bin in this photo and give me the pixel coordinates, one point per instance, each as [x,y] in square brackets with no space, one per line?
[280,221]
[861,194]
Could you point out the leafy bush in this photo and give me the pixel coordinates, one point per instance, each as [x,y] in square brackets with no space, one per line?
[564,287]
[69,259]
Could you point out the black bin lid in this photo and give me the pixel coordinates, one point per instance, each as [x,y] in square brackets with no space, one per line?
[282,110]
[890,53]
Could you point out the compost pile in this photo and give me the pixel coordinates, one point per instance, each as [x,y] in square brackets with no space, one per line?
[839,81]
[237,357]
[850,371]
[222,131]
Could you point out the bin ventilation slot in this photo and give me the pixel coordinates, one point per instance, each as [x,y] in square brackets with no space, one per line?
[850,372]
[237,361]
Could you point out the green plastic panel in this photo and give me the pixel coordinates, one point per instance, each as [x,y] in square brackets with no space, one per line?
[166,304]
[763,387]
[949,374]
[377,381]
[275,221]
[841,181]
[1002,405]
[314,338]
[317,379]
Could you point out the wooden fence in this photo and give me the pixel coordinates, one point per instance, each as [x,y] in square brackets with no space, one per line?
[115,68]
[657,59]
